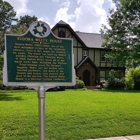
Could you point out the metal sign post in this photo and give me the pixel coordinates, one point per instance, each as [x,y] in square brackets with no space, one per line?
[41,109]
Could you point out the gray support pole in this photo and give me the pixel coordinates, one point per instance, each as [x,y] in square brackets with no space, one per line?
[41,105]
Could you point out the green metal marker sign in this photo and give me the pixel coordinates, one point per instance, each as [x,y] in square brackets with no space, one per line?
[38,58]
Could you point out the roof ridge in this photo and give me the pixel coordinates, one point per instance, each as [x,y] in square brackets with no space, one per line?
[61,22]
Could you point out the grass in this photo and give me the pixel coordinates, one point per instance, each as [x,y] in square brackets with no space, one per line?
[70,115]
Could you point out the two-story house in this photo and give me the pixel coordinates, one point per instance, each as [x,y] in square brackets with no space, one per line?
[91,66]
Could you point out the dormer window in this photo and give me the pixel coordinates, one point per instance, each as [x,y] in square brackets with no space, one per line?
[61,34]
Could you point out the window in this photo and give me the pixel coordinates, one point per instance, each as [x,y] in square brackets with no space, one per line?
[104,75]
[103,56]
[107,74]
[85,53]
[107,59]
[61,33]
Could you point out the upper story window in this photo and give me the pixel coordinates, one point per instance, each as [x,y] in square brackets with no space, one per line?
[61,34]
[107,59]
[85,53]
[103,58]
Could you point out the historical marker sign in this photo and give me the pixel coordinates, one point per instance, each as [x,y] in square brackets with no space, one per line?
[38,58]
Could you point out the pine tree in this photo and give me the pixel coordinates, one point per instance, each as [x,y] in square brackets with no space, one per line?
[7,14]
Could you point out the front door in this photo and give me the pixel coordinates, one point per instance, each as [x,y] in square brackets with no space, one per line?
[86,77]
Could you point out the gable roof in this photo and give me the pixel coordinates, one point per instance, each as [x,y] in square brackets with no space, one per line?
[84,60]
[92,40]
[61,23]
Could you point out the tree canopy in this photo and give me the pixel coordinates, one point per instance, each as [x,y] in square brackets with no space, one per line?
[123,34]
[17,29]
[22,24]
[27,20]
[7,14]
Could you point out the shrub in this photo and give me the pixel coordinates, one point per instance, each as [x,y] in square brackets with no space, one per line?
[3,87]
[1,83]
[79,84]
[137,78]
[132,79]
[129,79]
[57,88]
[1,62]
[99,86]
[114,82]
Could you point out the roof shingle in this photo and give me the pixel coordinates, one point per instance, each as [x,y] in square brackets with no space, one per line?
[91,40]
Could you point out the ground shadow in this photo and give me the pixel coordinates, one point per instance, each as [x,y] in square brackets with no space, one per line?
[9,97]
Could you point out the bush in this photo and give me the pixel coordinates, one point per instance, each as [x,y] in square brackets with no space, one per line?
[79,84]
[3,87]
[58,88]
[132,79]
[129,79]
[1,62]
[99,86]
[114,82]
[1,66]
[1,83]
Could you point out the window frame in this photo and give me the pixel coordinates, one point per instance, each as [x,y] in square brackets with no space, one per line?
[62,34]
[102,77]
[102,56]
[105,76]
[85,53]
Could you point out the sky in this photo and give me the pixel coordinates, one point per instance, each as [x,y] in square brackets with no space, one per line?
[81,15]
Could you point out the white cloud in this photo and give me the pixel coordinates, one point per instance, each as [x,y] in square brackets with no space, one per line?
[55,0]
[62,14]
[87,17]
[65,4]
[20,6]
[112,5]
[90,15]
[45,19]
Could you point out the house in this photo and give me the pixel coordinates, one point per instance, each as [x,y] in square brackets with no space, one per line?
[90,63]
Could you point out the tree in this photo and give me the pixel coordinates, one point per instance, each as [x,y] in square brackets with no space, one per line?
[17,29]
[22,25]
[27,20]
[7,14]
[123,35]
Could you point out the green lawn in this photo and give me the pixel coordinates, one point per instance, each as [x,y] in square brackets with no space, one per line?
[70,115]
